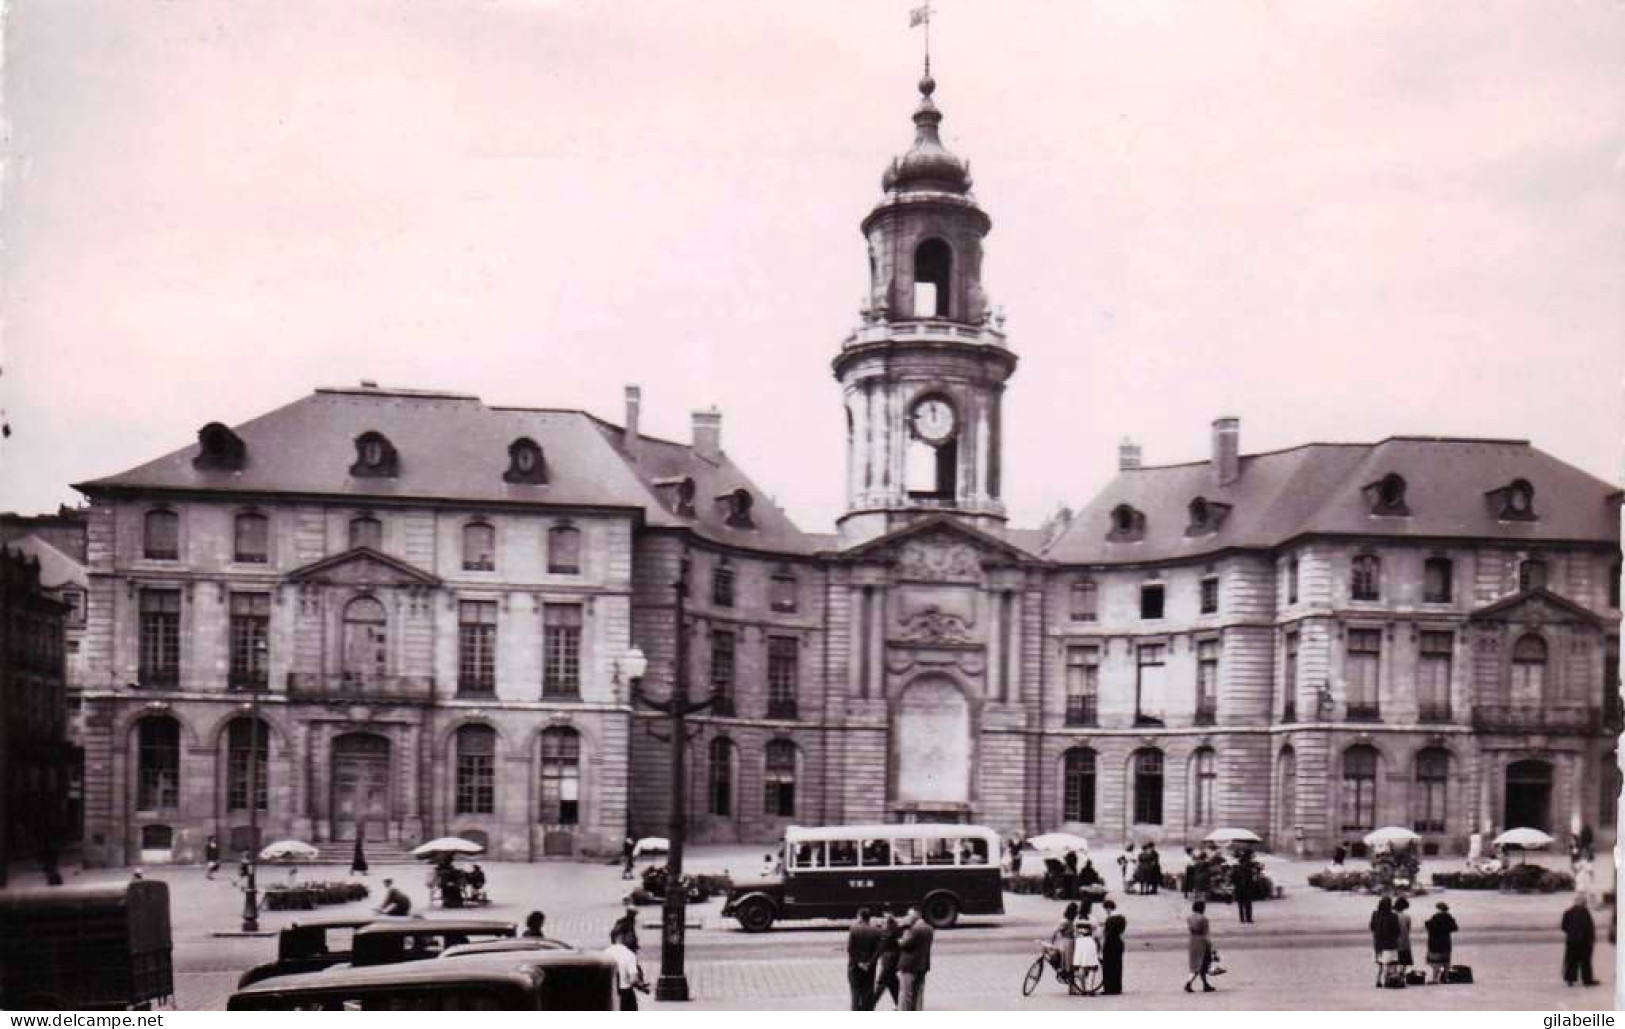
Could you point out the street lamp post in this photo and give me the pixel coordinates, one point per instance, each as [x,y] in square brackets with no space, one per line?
[251,895]
[673,982]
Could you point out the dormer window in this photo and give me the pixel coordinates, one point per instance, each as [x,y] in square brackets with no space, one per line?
[1206,516]
[375,457]
[737,509]
[219,449]
[1386,496]
[525,463]
[677,493]
[1514,502]
[1127,524]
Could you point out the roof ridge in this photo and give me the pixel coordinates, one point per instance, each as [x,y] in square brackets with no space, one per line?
[396,391]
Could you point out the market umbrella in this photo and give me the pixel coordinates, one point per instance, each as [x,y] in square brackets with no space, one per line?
[1391,834]
[289,851]
[652,845]
[452,845]
[1232,836]
[1059,843]
[1529,839]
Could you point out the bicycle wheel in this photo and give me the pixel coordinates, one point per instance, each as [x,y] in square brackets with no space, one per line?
[1085,982]
[1035,974]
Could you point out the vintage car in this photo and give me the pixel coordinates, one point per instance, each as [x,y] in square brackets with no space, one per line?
[538,981]
[308,947]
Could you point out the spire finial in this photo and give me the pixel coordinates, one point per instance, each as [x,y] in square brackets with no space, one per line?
[922,16]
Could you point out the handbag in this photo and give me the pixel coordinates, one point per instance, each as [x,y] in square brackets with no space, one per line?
[1215,965]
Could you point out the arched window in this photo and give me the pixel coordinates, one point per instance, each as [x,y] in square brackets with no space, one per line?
[722,584]
[1529,670]
[564,550]
[161,536]
[779,782]
[476,770]
[1437,573]
[1359,788]
[366,531]
[720,778]
[1432,783]
[561,776]
[933,278]
[158,763]
[479,547]
[248,746]
[1078,786]
[1365,578]
[1148,787]
[1204,776]
[1532,574]
[251,538]
[1085,600]
[366,640]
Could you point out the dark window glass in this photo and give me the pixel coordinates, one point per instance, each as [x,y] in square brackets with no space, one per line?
[479,547]
[720,777]
[161,538]
[1432,781]
[1532,574]
[722,671]
[1148,787]
[1151,600]
[1210,595]
[476,770]
[477,646]
[564,550]
[251,539]
[366,531]
[1078,794]
[250,640]
[779,782]
[1085,601]
[1359,809]
[1082,685]
[1292,581]
[783,659]
[1204,770]
[561,650]
[1289,679]
[1364,581]
[1433,668]
[1207,682]
[247,739]
[158,764]
[722,586]
[1362,673]
[1437,574]
[783,590]
[160,659]
[561,776]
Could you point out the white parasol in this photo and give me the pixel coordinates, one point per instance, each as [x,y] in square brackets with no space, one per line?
[289,851]
[453,845]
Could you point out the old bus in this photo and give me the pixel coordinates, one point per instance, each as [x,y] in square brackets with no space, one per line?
[831,872]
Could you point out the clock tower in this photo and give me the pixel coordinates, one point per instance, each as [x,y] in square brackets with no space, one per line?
[922,376]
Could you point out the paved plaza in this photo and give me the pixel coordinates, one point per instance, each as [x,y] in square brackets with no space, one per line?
[1310,948]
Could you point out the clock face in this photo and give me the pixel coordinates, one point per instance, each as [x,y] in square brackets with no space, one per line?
[933,420]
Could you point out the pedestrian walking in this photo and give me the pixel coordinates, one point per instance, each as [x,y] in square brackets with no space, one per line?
[863,942]
[1199,951]
[395,902]
[1384,927]
[629,848]
[1587,843]
[1402,912]
[626,926]
[211,857]
[891,954]
[1339,853]
[1244,883]
[358,859]
[1111,950]
[629,981]
[914,961]
[1579,938]
[1440,928]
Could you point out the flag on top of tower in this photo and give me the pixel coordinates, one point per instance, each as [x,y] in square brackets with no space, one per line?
[919,16]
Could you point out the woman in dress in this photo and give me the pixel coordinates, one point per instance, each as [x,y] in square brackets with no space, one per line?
[1402,911]
[1201,947]
[1085,956]
[1063,936]
[1440,928]
[1385,938]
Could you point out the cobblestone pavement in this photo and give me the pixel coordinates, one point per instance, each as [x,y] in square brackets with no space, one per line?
[1309,937]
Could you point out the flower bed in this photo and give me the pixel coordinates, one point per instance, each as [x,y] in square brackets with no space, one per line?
[306,896]
[1343,882]
[1517,879]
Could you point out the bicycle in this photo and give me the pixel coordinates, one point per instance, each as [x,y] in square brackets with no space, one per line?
[1079,982]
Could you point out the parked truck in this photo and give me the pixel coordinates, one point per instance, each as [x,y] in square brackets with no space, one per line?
[86,948]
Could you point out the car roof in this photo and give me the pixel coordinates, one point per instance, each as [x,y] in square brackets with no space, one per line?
[421,926]
[504,967]
[509,946]
[332,923]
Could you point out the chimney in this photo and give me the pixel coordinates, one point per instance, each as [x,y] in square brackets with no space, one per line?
[634,402]
[1226,450]
[1128,455]
[708,435]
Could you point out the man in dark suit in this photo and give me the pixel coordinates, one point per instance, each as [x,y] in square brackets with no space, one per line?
[862,951]
[915,961]
[1111,954]
[1579,938]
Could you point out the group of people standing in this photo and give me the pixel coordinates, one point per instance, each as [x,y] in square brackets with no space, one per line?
[1074,945]
[892,957]
[1391,940]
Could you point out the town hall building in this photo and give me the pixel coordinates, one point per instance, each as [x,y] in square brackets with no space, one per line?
[394,614]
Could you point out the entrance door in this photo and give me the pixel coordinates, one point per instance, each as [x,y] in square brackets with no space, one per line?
[931,739]
[1529,795]
[361,781]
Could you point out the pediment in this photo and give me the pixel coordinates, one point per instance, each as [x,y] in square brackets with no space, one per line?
[939,550]
[1535,607]
[363,566]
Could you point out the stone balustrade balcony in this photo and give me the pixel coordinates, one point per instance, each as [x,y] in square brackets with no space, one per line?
[342,688]
[1552,718]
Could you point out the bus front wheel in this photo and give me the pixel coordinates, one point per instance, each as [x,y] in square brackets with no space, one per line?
[755,916]
[941,910]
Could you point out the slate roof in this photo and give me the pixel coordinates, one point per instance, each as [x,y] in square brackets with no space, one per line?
[453,447]
[1318,488]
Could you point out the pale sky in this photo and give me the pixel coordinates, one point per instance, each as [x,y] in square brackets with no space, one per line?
[1337,220]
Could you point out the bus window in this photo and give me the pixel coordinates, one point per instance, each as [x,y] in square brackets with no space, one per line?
[876,853]
[843,854]
[810,855]
[908,852]
[972,851]
[938,852]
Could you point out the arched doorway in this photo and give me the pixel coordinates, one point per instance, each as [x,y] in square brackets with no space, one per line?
[932,750]
[361,786]
[1529,795]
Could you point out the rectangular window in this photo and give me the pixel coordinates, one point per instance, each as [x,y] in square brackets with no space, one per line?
[477,646]
[561,777]
[561,650]
[722,587]
[1433,676]
[476,775]
[1289,679]
[1436,575]
[160,637]
[1085,601]
[1432,782]
[253,539]
[1359,800]
[250,641]
[782,676]
[1210,595]
[1361,671]
[723,665]
[1151,600]
[1292,581]
[783,592]
[241,747]
[1082,685]
[1207,682]
[1149,685]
